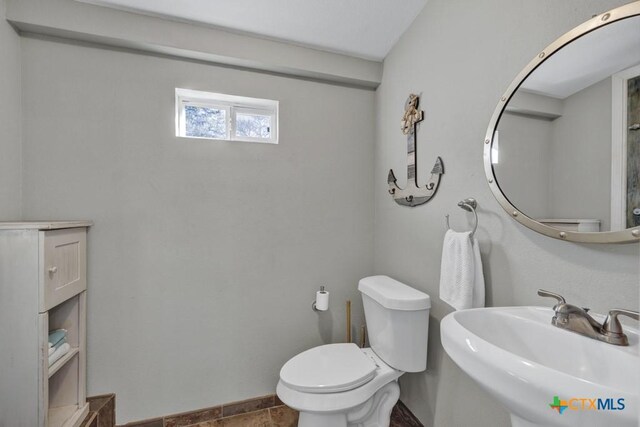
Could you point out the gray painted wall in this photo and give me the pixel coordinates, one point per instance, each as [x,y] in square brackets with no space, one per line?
[461,56]
[524,167]
[10,119]
[205,256]
[581,156]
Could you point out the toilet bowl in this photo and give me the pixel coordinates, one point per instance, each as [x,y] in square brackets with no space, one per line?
[340,385]
[359,388]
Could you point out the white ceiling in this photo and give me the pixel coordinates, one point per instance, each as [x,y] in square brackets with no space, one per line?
[362,28]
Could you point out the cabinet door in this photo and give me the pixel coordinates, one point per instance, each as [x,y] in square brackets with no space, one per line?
[63,265]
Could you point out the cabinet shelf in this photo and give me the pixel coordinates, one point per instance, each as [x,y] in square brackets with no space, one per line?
[67,415]
[58,416]
[62,361]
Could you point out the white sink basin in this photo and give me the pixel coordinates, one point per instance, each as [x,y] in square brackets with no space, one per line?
[524,362]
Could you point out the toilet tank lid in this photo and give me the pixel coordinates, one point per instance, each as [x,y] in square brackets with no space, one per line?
[394,295]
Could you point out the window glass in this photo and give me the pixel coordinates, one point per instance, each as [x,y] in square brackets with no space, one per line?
[253,125]
[205,122]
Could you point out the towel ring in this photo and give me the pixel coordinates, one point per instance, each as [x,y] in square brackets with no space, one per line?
[468,205]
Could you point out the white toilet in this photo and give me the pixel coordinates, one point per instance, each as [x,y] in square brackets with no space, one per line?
[339,385]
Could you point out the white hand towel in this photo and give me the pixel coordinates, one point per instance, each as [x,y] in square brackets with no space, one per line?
[61,351]
[461,277]
[478,286]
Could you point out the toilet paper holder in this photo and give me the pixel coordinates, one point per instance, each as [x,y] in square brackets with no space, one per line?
[321,294]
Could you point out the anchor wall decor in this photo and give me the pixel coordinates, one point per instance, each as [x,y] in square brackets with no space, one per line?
[413,194]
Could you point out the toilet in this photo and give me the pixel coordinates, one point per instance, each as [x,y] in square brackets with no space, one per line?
[339,385]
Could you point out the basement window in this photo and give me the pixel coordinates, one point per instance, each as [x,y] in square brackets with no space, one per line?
[208,115]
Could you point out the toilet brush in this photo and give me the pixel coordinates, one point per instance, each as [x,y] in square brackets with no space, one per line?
[348,320]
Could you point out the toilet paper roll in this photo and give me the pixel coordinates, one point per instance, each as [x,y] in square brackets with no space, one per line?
[322,300]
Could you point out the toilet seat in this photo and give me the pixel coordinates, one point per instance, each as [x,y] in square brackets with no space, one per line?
[330,368]
[340,401]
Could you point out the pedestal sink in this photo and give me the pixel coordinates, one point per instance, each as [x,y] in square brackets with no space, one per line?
[544,375]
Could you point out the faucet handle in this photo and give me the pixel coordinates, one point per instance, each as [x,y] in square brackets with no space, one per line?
[612,325]
[558,297]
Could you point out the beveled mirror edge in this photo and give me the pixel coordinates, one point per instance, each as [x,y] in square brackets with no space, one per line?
[628,235]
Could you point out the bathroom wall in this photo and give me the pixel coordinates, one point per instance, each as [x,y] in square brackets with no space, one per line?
[581,162]
[10,119]
[461,56]
[525,163]
[205,255]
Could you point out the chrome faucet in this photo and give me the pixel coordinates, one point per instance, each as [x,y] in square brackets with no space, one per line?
[577,319]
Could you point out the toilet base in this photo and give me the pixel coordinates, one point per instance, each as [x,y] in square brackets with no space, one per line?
[309,419]
[375,412]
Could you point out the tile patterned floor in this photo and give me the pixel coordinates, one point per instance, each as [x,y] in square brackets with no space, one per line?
[401,416]
[282,416]
[267,411]
[277,416]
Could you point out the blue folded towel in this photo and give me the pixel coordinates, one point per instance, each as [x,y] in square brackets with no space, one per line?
[56,337]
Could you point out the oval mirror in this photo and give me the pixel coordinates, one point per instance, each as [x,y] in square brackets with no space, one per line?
[562,151]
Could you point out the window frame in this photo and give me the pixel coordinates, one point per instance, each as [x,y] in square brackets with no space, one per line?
[233,105]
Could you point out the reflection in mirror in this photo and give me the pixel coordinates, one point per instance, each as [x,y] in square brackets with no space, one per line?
[569,138]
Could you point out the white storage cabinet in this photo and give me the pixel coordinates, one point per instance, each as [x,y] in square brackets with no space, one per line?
[43,282]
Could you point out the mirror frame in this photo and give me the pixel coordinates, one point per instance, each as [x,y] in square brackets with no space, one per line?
[624,236]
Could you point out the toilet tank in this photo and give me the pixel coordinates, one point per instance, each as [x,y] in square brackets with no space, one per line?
[397,319]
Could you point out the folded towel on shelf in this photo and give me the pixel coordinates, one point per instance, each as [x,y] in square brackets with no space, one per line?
[461,276]
[60,351]
[56,336]
[55,347]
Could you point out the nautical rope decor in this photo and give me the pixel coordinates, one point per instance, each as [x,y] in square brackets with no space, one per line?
[412,195]
[411,114]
